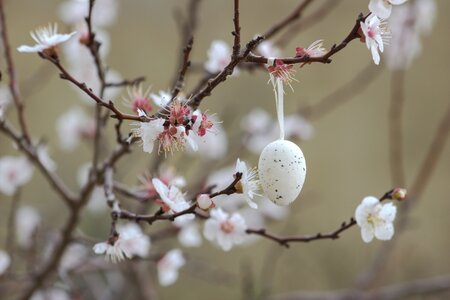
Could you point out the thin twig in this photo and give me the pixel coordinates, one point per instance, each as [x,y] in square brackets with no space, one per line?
[237,31]
[13,83]
[187,30]
[184,67]
[126,82]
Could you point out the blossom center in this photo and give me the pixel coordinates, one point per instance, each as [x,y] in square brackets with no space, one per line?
[227,227]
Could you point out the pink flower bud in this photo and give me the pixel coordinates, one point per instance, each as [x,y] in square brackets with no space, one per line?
[204,202]
[399,194]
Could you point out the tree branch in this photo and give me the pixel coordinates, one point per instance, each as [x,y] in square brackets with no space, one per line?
[325,59]
[333,235]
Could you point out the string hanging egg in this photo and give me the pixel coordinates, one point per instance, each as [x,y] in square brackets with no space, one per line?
[282,166]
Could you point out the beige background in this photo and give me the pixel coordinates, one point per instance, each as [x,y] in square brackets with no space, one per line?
[347,159]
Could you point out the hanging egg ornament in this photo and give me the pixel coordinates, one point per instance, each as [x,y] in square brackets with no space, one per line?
[282,171]
[282,166]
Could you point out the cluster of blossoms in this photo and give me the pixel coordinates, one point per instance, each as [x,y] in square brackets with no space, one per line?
[406,23]
[175,131]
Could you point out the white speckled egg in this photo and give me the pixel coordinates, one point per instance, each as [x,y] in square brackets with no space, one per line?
[282,171]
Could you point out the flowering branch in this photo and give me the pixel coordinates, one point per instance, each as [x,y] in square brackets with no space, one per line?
[333,235]
[322,59]
[159,215]
[212,82]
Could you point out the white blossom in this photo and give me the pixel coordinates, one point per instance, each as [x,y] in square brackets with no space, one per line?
[14,173]
[219,56]
[5,261]
[225,230]
[383,8]
[130,242]
[28,220]
[169,265]
[375,219]
[72,126]
[172,199]
[375,34]
[46,38]
[248,183]
[149,132]
[221,179]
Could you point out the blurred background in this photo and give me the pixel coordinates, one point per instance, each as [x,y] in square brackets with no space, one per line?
[347,153]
